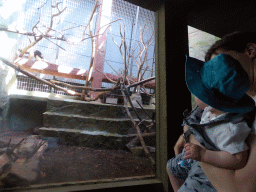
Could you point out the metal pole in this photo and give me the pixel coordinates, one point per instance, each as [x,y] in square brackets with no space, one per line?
[98,65]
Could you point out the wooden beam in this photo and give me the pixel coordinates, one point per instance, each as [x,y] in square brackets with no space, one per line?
[98,63]
[16,67]
[50,69]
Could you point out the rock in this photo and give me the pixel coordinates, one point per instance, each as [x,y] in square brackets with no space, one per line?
[20,166]
[4,160]
[16,174]
[28,146]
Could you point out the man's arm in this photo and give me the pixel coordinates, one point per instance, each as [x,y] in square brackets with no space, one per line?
[221,159]
[179,146]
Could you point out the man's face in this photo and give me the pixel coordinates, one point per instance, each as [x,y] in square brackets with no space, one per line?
[252,90]
[251,52]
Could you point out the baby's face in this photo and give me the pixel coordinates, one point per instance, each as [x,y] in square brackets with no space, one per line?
[200,103]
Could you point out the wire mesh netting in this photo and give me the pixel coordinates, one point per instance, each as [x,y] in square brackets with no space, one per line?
[72,23]
[134,19]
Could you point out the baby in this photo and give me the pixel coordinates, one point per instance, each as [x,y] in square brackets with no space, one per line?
[219,122]
[229,137]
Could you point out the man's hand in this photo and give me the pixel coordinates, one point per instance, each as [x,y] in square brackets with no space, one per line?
[179,145]
[193,151]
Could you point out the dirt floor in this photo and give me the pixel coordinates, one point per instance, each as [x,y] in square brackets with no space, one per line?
[64,163]
[69,163]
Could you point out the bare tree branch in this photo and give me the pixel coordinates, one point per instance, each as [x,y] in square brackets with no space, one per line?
[91,17]
[141,82]
[83,87]
[88,77]
[108,25]
[109,64]
[24,50]
[137,128]
[55,15]
[106,76]
[55,44]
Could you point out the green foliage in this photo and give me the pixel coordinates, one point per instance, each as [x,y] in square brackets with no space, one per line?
[193,103]
[217,38]
[202,43]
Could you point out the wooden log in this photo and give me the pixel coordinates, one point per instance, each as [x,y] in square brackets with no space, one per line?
[4,160]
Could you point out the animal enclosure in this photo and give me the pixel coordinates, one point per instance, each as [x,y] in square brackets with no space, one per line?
[91,51]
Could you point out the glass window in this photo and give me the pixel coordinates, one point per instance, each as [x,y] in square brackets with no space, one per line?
[48,135]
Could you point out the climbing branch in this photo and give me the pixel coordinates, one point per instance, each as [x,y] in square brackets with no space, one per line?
[84,87]
[40,31]
[93,43]
[139,134]
[101,89]
[45,33]
[141,58]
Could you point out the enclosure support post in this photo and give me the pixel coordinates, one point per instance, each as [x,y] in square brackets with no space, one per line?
[98,65]
[171,47]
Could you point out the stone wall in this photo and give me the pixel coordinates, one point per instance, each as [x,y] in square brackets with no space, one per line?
[25,113]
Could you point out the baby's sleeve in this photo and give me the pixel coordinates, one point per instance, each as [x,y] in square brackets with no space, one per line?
[232,138]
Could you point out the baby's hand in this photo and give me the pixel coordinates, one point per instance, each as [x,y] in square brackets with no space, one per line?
[193,151]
